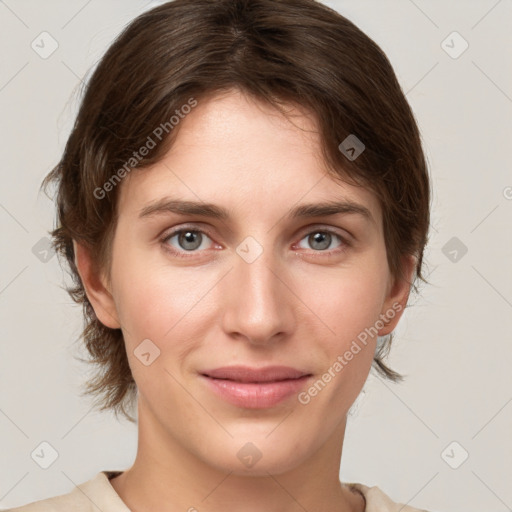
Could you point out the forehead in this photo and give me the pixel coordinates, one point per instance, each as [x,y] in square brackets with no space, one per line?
[236,151]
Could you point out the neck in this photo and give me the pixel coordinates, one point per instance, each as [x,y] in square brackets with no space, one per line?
[167,477]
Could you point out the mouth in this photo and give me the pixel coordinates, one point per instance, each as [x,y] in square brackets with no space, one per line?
[255,388]
[247,374]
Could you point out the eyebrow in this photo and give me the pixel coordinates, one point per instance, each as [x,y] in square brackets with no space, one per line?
[321,209]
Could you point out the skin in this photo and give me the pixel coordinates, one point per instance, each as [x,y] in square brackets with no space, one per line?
[294,305]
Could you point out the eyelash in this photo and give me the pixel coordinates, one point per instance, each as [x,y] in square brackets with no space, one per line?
[188,254]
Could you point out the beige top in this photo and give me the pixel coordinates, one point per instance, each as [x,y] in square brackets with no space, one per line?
[98,494]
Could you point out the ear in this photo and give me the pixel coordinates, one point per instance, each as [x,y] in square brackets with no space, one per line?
[397,296]
[96,289]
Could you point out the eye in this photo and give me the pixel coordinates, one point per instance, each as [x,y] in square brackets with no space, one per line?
[322,239]
[185,240]
[190,241]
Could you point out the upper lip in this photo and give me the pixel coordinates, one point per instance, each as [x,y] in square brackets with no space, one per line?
[248,374]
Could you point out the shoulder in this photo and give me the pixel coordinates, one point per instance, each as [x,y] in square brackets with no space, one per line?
[96,493]
[378,501]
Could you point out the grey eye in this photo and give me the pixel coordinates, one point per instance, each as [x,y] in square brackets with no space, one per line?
[189,240]
[320,240]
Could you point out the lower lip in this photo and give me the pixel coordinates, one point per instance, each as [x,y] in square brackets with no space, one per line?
[255,395]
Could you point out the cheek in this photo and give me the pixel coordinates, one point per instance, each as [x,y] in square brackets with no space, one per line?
[161,304]
[347,301]
[156,300]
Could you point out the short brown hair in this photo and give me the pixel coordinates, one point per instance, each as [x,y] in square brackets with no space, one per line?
[278,51]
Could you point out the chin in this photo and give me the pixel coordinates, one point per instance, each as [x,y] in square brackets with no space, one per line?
[258,457]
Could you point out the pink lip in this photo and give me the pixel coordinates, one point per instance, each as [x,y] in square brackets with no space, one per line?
[255,388]
[248,374]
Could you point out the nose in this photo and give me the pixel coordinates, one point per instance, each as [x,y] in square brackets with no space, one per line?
[258,303]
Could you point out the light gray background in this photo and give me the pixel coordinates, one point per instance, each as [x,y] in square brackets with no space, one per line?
[454,343]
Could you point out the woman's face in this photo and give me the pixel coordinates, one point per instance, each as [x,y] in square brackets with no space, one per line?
[258,287]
